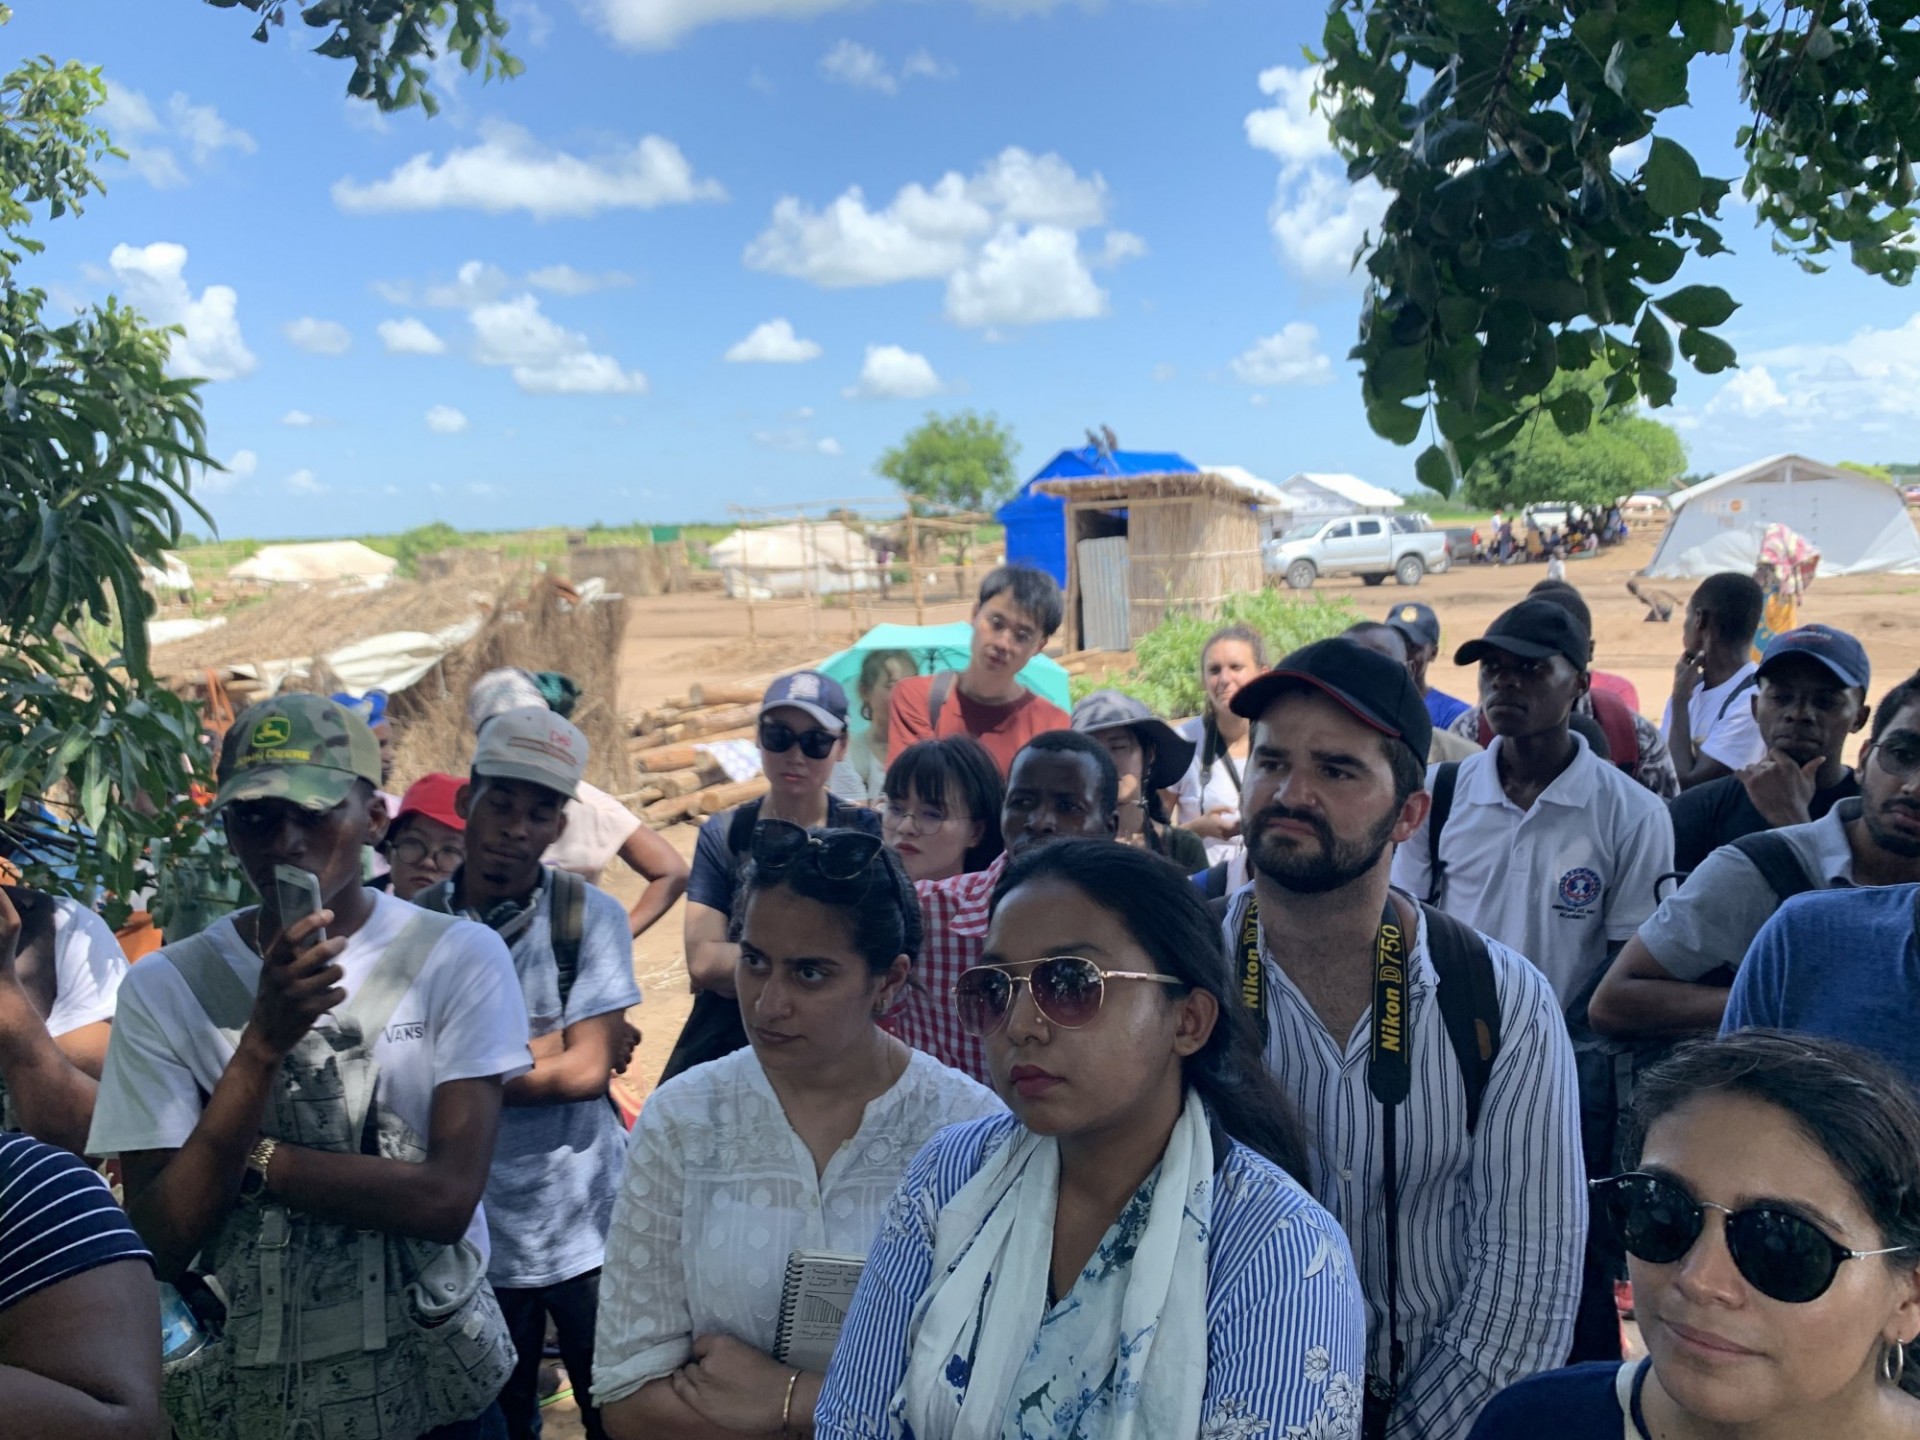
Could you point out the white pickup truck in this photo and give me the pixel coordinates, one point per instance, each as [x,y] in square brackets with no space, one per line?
[1363,545]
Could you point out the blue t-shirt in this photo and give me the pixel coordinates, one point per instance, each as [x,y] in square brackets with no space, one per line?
[1578,1403]
[1443,709]
[1839,963]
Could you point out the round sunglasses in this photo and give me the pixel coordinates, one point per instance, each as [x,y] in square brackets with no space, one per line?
[777,739]
[1783,1256]
[1067,991]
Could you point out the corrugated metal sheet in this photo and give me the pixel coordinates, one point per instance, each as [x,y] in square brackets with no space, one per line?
[1104,571]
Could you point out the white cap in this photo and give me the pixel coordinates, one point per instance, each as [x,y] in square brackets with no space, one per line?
[535,745]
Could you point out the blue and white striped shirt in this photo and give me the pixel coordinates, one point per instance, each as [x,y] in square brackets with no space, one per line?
[1285,1328]
[57,1218]
[1492,1225]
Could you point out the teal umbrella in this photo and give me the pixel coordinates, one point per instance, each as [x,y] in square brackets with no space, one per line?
[935,647]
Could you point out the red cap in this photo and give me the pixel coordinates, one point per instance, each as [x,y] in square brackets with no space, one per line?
[433,796]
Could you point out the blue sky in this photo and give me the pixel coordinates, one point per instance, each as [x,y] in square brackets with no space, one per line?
[1069,214]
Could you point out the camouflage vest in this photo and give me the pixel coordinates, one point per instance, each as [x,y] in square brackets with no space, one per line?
[334,1333]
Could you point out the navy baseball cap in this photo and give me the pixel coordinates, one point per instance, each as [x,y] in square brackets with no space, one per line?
[1835,649]
[1379,692]
[1417,622]
[819,695]
[1533,630]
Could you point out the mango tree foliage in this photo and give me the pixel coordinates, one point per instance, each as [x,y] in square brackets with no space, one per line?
[1539,215]
[1621,452]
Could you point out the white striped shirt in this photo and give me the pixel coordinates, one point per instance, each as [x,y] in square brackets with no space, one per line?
[1492,1225]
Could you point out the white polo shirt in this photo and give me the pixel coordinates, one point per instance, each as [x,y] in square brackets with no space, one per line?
[1559,882]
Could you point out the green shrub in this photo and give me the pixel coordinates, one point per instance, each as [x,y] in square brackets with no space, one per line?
[410,545]
[1166,669]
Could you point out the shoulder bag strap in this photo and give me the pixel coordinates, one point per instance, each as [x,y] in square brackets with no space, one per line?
[1389,1078]
[1469,1003]
[220,992]
[1778,862]
[937,696]
[1734,694]
[373,1004]
[1445,780]
[567,917]
[740,828]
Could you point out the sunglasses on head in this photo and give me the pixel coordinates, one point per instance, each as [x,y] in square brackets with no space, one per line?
[779,845]
[1782,1255]
[777,738]
[1067,991]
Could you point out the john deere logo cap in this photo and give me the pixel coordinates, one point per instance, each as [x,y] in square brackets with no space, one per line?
[301,748]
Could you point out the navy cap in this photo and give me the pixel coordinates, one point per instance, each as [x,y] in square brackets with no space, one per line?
[1835,649]
[819,695]
[1533,630]
[1379,692]
[1417,622]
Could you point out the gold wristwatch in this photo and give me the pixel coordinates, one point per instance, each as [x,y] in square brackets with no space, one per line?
[261,1156]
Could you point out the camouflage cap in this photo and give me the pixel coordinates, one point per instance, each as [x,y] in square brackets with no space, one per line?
[302,748]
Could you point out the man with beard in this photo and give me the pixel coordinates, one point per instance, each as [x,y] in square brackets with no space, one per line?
[1671,980]
[1466,1219]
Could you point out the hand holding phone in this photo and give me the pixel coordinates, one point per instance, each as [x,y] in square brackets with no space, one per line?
[299,981]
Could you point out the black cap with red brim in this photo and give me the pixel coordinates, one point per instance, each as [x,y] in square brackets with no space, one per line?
[1376,691]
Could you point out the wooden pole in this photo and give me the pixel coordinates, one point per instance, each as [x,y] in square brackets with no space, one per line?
[913,565]
[809,582]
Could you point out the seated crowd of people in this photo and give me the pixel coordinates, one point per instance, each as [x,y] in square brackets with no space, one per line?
[1343,1062]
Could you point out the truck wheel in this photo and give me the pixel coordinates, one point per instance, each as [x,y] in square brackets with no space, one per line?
[1410,570]
[1371,580]
[1300,575]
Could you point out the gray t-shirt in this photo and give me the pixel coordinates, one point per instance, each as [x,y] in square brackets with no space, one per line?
[556,1168]
[1712,919]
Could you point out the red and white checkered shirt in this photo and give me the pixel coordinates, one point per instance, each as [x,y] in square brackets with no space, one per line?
[954,913]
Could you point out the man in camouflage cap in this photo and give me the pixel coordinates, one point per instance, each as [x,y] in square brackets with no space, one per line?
[246,1066]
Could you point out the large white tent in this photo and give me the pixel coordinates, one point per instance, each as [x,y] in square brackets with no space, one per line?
[819,557]
[1319,496]
[318,562]
[1859,524]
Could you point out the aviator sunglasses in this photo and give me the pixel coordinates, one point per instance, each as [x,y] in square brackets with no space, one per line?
[1067,991]
[779,845]
[1783,1256]
[777,739]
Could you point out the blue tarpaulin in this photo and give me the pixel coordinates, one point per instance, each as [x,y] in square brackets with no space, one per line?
[1037,524]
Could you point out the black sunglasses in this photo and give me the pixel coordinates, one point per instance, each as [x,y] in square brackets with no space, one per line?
[777,739]
[779,845]
[1783,1256]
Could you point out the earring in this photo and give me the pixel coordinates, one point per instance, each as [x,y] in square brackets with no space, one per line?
[1893,1363]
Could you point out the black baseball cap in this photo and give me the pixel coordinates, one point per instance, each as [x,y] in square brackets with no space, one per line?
[1533,630]
[1379,692]
[1417,622]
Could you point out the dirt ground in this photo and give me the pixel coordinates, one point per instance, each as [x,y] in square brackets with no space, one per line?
[675,641]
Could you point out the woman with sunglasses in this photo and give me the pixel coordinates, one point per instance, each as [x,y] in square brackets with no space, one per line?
[942,811]
[1126,1255]
[427,840]
[794,1144]
[1770,1212]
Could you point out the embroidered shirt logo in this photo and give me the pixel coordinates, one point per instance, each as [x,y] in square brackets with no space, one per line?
[1579,889]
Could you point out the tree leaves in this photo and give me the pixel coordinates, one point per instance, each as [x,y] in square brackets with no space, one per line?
[1698,305]
[1672,179]
[963,461]
[1434,469]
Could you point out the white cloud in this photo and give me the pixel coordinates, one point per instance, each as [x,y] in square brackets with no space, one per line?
[661,24]
[477,282]
[1024,278]
[1291,356]
[299,420]
[474,283]
[1165,371]
[565,280]
[830,446]
[1005,240]
[891,373]
[410,336]
[854,65]
[151,138]
[546,358]
[304,482]
[318,337]
[1318,217]
[240,466]
[773,343]
[151,279]
[921,65]
[530,23]
[509,170]
[445,420]
[1750,393]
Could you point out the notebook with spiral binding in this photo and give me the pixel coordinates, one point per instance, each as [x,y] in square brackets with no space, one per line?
[814,1305]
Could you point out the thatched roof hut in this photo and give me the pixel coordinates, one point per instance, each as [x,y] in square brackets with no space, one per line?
[1142,547]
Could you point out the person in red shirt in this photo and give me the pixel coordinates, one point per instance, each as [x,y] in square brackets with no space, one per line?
[1018,611]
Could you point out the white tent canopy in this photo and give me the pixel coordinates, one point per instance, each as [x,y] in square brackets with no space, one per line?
[820,557]
[320,562]
[1314,495]
[1859,524]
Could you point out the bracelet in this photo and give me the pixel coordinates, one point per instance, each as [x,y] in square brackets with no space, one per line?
[786,1410]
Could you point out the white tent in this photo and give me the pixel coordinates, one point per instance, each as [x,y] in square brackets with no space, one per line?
[1859,524]
[1318,496]
[779,559]
[171,575]
[320,562]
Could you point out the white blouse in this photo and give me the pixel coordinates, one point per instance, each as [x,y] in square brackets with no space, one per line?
[1220,789]
[719,1189]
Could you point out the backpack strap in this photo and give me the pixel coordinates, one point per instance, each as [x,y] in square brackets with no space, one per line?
[740,829]
[937,696]
[1446,779]
[1751,682]
[567,922]
[220,992]
[1469,1003]
[1778,862]
[371,1006]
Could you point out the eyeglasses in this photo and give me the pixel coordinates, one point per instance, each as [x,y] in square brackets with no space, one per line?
[926,818]
[412,850]
[1783,1256]
[1900,758]
[779,845]
[1067,991]
[777,739]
